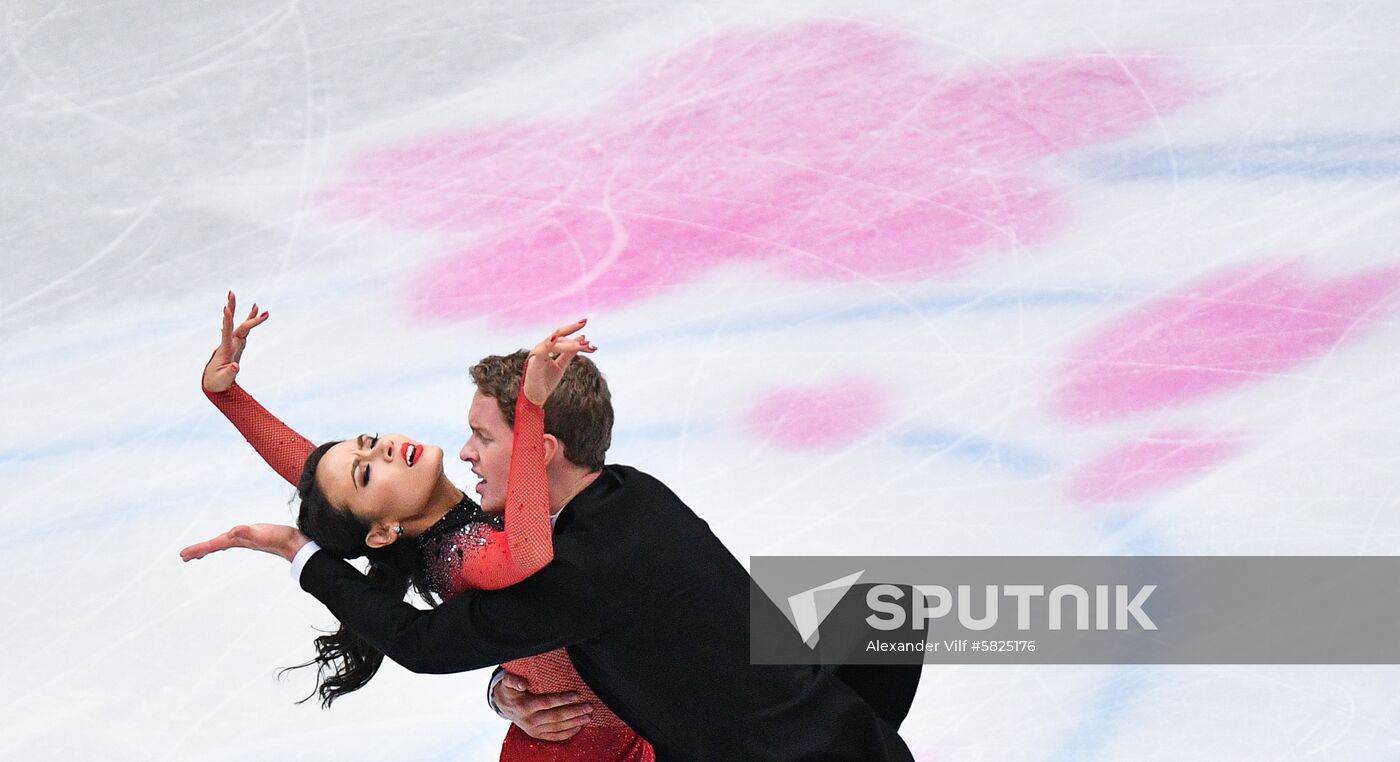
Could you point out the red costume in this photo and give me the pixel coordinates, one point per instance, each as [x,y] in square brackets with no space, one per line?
[470,549]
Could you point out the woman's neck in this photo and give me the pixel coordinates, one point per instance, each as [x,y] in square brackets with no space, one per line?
[445,497]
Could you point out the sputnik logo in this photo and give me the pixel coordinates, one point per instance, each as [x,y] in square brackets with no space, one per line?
[808,616]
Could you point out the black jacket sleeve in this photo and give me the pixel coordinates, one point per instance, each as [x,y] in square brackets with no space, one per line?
[555,607]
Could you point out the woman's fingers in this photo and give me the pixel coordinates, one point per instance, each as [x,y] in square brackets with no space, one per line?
[565,330]
[556,348]
[562,351]
[268,538]
[226,328]
[581,344]
[241,332]
[559,343]
[249,323]
[252,322]
[202,549]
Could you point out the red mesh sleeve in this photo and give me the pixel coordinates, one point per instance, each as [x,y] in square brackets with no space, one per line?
[526,545]
[283,449]
[528,529]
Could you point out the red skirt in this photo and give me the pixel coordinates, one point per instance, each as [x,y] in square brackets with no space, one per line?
[593,743]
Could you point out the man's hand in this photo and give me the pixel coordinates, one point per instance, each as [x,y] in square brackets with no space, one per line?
[546,716]
[276,539]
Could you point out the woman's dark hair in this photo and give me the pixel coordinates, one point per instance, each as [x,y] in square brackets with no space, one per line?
[350,659]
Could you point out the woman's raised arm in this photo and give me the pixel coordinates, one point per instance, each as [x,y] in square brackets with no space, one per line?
[526,545]
[282,448]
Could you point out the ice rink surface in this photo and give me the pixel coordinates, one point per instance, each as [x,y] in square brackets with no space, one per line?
[868,278]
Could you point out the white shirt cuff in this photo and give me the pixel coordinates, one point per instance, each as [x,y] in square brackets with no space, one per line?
[302,556]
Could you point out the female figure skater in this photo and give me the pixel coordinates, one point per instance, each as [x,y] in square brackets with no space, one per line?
[387,498]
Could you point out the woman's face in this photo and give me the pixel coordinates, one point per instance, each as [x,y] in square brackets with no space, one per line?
[382,479]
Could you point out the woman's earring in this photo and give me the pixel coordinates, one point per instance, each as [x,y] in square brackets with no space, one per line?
[399,529]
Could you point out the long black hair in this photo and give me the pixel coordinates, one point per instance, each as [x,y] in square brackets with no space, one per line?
[345,661]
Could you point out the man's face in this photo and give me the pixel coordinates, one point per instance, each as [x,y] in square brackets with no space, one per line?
[488,451]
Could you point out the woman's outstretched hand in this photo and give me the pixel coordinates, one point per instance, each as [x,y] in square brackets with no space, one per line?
[276,539]
[545,367]
[223,366]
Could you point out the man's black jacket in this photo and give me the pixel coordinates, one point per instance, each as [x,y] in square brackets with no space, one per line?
[654,611]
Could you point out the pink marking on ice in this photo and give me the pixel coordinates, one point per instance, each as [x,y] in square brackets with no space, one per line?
[1155,462]
[1244,326]
[822,417]
[832,150]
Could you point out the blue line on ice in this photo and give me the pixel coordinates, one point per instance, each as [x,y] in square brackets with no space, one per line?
[1322,157]
[1015,459]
